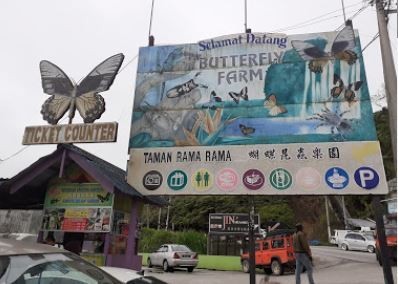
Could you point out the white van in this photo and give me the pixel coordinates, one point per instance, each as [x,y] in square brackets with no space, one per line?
[338,237]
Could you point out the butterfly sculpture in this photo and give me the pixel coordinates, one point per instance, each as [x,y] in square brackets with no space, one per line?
[342,49]
[348,91]
[271,104]
[246,130]
[67,95]
[241,95]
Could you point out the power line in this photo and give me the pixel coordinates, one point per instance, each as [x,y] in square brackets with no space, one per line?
[124,67]
[127,64]
[353,16]
[371,41]
[15,154]
[312,20]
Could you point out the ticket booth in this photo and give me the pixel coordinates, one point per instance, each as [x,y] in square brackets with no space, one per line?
[88,207]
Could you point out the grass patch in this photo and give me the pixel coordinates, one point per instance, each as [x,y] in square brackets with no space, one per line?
[215,262]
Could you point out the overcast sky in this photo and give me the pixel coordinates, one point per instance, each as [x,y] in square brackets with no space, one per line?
[77,35]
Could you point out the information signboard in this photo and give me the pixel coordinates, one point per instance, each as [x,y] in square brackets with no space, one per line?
[255,113]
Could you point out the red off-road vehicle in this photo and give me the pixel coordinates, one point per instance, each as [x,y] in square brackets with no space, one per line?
[274,253]
[391,239]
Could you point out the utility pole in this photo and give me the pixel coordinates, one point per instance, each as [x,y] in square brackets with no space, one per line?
[344,213]
[390,82]
[159,218]
[327,217]
[390,75]
[168,214]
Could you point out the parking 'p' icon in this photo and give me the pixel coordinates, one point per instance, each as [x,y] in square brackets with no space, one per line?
[366,177]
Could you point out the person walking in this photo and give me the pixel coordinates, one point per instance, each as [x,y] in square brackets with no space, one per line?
[303,254]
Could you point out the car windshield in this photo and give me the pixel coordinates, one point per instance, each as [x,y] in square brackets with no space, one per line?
[179,248]
[369,237]
[60,268]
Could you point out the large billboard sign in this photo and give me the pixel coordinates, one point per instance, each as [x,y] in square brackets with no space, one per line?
[255,113]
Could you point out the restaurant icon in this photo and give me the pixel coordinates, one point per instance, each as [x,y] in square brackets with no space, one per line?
[253,179]
[177,180]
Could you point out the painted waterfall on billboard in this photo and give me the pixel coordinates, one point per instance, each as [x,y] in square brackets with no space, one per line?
[252,89]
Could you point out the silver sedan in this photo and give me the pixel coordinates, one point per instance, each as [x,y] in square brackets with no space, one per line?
[356,241]
[170,256]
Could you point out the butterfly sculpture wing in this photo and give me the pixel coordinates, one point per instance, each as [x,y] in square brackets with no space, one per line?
[89,103]
[90,106]
[308,51]
[102,76]
[345,40]
[317,57]
[57,84]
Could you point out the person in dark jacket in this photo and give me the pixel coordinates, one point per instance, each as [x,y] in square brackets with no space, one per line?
[303,254]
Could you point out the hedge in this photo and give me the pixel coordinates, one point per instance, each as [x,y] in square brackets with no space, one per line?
[151,240]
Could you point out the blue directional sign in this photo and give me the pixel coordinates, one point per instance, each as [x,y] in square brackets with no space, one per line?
[366,177]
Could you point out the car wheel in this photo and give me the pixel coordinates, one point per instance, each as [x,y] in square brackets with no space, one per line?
[190,269]
[166,266]
[276,267]
[149,262]
[245,266]
[344,247]
[371,249]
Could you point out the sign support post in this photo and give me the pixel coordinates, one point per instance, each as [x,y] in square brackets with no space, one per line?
[252,254]
[388,279]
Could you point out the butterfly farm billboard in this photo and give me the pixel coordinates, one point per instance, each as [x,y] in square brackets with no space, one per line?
[255,113]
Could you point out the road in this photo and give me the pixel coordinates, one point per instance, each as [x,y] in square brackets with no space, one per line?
[331,266]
